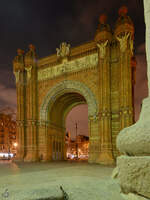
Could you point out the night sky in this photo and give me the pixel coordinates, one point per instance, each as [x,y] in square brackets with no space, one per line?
[48,23]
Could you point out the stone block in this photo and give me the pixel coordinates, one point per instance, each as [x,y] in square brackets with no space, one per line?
[134,175]
[132,196]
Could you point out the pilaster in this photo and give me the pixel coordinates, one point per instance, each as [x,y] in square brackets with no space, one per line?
[124,34]
[31,105]
[103,39]
[19,72]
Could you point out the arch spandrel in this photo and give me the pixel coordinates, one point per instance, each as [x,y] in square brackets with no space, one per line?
[65,87]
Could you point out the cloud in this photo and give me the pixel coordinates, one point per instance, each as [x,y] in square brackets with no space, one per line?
[7,89]
[7,96]
[141,49]
[79,115]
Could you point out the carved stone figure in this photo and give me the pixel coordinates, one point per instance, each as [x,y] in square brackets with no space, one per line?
[131,46]
[17,76]
[102,48]
[123,42]
[28,69]
[64,50]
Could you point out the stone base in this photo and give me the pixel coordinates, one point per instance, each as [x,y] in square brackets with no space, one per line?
[92,158]
[31,157]
[134,175]
[105,158]
[19,157]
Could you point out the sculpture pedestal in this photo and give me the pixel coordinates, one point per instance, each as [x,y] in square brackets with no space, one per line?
[132,196]
[134,167]
[31,157]
[135,140]
[134,174]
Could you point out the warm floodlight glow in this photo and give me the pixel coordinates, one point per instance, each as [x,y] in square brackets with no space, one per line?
[15,144]
[6,155]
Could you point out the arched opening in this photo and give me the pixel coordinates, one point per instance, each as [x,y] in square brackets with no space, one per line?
[57,116]
[54,109]
[77,135]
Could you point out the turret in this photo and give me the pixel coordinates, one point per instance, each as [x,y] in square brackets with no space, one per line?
[103,31]
[103,38]
[124,23]
[124,34]
[18,64]
[124,31]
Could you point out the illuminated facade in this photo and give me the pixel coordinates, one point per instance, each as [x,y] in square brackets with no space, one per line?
[98,73]
[79,147]
[7,133]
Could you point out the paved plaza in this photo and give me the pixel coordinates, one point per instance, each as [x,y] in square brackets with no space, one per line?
[28,181]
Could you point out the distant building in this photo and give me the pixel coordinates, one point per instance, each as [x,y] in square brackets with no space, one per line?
[7,133]
[83,145]
[80,147]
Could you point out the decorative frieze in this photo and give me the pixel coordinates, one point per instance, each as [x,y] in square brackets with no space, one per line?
[86,62]
[20,122]
[126,111]
[93,118]
[105,113]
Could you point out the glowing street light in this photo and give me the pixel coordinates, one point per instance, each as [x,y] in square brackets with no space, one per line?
[15,144]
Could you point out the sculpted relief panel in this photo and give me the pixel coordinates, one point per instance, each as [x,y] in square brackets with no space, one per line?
[86,62]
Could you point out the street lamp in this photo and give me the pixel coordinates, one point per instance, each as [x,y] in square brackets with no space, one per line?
[76,142]
[15,144]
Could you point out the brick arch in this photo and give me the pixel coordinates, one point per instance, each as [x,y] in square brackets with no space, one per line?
[64,87]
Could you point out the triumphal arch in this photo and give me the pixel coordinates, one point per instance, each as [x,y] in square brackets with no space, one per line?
[98,73]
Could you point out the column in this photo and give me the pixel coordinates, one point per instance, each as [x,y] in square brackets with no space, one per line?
[18,68]
[126,105]
[105,156]
[31,91]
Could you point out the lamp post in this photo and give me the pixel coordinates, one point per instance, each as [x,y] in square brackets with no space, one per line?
[76,142]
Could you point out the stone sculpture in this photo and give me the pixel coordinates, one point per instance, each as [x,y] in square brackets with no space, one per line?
[64,50]
[102,48]
[123,42]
